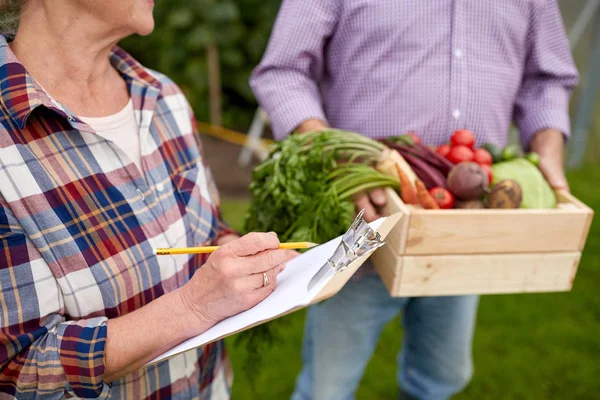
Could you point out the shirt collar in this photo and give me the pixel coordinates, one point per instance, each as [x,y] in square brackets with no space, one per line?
[21,94]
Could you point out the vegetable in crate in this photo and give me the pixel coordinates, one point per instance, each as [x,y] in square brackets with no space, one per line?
[505,194]
[468,181]
[443,150]
[442,197]
[425,198]
[429,166]
[510,152]
[495,151]
[482,157]
[463,137]
[460,153]
[537,192]
[533,158]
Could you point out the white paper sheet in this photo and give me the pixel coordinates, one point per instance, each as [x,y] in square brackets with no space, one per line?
[291,292]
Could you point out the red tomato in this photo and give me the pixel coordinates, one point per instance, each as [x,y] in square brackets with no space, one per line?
[414,137]
[442,197]
[490,174]
[482,157]
[463,137]
[443,150]
[460,154]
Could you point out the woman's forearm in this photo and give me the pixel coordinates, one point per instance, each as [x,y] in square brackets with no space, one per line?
[138,337]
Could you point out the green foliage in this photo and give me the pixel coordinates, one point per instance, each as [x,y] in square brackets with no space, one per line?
[303,190]
[177,48]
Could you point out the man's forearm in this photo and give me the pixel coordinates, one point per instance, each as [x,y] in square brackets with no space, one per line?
[549,144]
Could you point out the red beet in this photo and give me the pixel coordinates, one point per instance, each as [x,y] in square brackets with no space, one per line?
[468,181]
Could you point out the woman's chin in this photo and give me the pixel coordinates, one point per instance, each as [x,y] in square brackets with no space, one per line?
[145,29]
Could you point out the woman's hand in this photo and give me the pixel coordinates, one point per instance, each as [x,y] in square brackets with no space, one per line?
[232,279]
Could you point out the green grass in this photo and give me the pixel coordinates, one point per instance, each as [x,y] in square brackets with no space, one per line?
[527,346]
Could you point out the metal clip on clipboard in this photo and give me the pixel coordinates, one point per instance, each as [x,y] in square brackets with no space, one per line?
[356,242]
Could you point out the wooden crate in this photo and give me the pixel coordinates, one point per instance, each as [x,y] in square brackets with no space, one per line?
[452,252]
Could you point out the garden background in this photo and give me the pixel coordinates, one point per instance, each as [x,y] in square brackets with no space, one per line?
[527,346]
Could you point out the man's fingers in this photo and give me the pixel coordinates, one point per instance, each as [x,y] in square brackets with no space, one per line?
[378,197]
[252,243]
[363,202]
[266,260]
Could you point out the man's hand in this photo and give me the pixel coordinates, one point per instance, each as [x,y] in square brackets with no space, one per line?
[549,144]
[311,125]
[372,203]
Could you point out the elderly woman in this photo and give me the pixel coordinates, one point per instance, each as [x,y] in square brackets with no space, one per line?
[100,165]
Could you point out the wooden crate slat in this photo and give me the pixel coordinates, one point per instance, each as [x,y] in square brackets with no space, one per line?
[491,231]
[486,274]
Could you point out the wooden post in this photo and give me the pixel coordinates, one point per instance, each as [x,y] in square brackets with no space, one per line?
[214,83]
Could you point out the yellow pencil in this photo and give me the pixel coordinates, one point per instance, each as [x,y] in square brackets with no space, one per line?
[210,249]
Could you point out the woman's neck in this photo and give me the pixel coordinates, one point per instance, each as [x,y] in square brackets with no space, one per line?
[69,57]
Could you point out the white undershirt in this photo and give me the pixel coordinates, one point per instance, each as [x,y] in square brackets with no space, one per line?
[121,129]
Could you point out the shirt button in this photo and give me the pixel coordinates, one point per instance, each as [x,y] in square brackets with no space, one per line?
[71,118]
[139,192]
[458,53]
[160,187]
[456,114]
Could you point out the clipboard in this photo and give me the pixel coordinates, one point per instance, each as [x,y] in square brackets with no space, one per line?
[328,288]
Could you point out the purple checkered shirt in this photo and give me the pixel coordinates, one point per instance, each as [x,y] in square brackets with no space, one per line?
[384,67]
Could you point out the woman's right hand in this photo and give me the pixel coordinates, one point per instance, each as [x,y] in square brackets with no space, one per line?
[231,280]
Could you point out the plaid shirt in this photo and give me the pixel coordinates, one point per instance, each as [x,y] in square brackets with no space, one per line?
[78,225]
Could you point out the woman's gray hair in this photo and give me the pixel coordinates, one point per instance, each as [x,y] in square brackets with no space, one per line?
[10,12]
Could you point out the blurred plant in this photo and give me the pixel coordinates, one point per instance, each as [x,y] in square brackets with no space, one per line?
[184,30]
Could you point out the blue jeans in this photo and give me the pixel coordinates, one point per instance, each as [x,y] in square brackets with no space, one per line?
[341,334]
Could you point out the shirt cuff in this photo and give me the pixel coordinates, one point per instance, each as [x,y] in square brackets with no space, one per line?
[286,117]
[81,345]
[537,120]
[225,229]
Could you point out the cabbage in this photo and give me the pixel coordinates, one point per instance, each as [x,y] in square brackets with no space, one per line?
[537,193]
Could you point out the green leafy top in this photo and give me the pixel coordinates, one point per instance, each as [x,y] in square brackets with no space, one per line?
[303,190]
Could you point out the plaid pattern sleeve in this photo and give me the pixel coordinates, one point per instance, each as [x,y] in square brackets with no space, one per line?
[78,225]
[35,337]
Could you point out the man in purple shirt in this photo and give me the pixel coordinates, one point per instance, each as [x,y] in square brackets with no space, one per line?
[385,67]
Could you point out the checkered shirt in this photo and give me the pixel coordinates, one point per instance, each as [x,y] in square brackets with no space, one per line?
[385,67]
[78,225]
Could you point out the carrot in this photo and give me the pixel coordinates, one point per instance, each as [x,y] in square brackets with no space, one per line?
[407,191]
[425,198]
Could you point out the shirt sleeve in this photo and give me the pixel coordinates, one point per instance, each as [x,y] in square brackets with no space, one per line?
[42,355]
[549,76]
[286,80]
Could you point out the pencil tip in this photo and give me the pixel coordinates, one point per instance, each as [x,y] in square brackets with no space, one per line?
[155,252]
[309,245]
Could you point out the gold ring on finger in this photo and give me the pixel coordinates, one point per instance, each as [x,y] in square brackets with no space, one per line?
[265,279]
